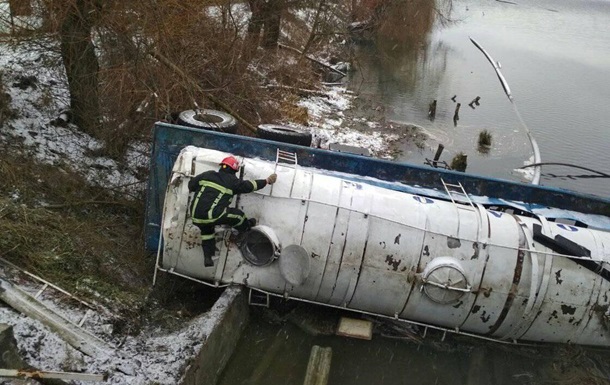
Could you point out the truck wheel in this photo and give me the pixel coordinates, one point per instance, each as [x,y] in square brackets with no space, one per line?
[208,120]
[284,134]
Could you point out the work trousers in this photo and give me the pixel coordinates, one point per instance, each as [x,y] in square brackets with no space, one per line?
[232,217]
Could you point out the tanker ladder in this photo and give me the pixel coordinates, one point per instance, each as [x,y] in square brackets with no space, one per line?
[461,200]
[287,158]
[457,194]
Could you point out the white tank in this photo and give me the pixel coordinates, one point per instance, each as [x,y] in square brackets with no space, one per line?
[342,241]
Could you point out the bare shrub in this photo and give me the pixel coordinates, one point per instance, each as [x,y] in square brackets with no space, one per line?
[55,225]
[6,112]
[205,43]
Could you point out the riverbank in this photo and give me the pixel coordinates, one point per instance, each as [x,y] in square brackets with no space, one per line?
[73,217]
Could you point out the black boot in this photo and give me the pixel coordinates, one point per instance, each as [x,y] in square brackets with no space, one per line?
[209,250]
[207,261]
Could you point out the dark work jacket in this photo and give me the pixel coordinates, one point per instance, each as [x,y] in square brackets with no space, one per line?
[214,191]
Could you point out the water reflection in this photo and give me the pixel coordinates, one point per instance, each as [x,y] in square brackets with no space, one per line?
[555,57]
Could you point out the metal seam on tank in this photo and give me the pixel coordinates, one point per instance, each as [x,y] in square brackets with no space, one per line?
[330,244]
[186,216]
[512,293]
[306,216]
[332,236]
[476,295]
[343,248]
[366,242]
[538,299]
[544,285]
[597,286]
[576,335]
[414,283]
[457,215]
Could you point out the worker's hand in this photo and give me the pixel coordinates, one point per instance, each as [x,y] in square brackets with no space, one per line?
[271,179]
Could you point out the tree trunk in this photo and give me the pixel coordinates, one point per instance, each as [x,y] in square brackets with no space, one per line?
[255,24]
[273,19]
[78,54]
[267,15]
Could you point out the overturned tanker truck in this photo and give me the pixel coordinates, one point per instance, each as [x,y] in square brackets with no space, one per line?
[445,250]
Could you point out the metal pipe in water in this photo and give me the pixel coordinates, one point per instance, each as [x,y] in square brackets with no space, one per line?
[537,159]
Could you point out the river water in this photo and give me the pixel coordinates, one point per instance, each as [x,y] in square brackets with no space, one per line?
[278,353]
[555,55]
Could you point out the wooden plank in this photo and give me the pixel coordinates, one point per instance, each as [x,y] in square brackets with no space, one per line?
[318,367]
[18,373]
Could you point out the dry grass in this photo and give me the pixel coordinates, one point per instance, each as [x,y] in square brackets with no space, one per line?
[49,229]
[294,113]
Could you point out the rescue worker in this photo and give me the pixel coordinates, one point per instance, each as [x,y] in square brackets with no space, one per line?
[214,191]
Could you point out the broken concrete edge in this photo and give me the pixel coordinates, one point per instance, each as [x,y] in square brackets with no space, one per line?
[226,321]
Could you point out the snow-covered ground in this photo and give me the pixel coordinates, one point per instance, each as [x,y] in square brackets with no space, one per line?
[154,356]
[39,94]
[327,121]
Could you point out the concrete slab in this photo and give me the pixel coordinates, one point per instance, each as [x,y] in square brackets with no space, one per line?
[355,328]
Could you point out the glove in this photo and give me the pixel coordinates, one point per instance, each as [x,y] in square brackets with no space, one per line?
[271,179]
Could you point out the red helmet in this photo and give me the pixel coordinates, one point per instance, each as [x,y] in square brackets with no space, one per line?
[231,161]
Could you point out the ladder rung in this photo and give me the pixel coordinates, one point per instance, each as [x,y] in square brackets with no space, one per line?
[455,195]
[288,157]
[41,290]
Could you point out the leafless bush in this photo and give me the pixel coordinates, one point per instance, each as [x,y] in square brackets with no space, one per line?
[207,42]
[6,112]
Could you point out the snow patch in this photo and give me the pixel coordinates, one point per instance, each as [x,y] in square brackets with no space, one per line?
[39,101]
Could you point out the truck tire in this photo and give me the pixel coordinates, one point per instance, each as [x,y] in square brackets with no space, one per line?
[208,120]
[284,134]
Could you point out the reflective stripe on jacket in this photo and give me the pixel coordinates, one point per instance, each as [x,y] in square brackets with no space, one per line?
[214,191]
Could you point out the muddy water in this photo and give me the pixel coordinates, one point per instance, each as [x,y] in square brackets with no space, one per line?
[278,353]
[555,56]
